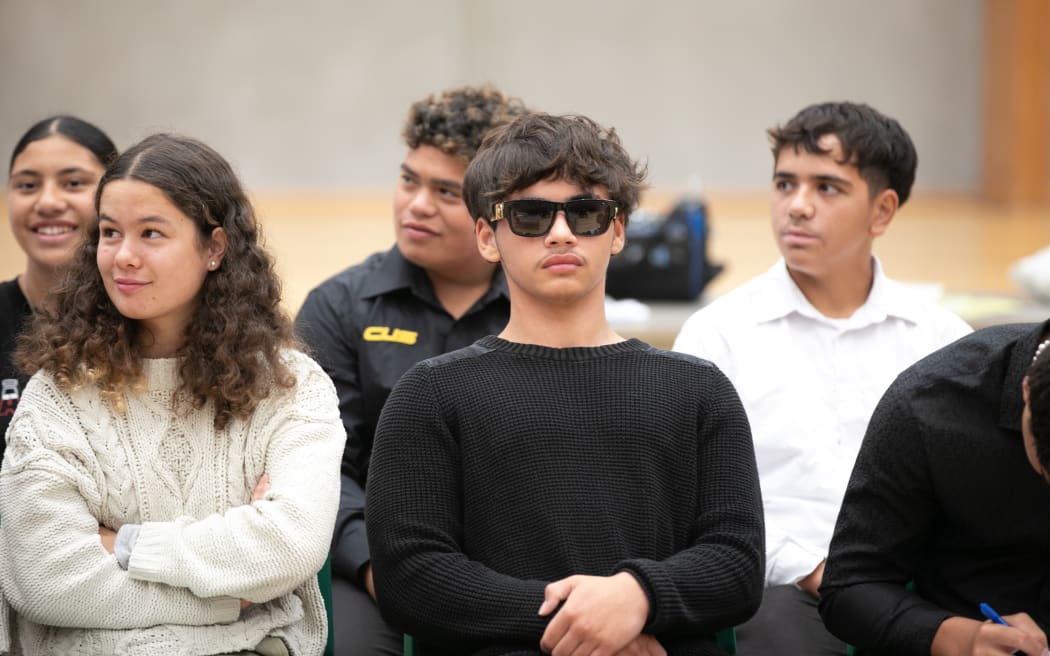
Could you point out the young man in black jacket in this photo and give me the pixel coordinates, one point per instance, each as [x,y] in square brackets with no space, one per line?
[430,293]
[947,507]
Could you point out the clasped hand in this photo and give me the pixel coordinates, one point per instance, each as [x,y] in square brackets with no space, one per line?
[966,637]
[599,615]
[1022,635]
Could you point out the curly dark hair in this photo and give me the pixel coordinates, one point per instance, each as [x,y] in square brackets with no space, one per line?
[877,144]
[1039,405]
[231,353]
[539,146]
[456,120]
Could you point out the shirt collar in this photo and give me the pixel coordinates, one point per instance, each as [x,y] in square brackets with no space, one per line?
[887,298]
[397,273]
[1011,403]
[782,296]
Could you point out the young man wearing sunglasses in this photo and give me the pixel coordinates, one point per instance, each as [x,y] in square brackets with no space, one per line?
[430,293]
[557,488]
[813,343]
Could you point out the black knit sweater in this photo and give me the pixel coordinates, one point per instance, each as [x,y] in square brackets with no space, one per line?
[501,467]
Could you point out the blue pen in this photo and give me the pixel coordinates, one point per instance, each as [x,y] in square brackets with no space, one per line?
[990,613]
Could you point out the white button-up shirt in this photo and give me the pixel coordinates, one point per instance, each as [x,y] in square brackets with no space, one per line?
[809,385]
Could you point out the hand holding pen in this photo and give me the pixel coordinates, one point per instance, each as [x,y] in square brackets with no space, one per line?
[1024,635]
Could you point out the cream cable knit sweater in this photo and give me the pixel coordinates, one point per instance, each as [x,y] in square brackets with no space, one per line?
[73,463]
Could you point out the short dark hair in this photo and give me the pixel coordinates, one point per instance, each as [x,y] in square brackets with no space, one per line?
[455,120]
[876,144]
[76,130]
[537,147]
[1039,405]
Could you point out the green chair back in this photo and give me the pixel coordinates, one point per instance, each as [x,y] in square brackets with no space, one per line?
[726,639]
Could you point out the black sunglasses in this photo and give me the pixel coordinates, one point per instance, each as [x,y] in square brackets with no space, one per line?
[528,217]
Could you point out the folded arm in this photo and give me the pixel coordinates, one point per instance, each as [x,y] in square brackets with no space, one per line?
[265,549]
[717,581]
[54,568]
[425,583]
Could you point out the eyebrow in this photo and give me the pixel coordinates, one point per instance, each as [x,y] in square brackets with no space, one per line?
[145,219]
[588,195]
[786,175]
[66,171]
[437,181]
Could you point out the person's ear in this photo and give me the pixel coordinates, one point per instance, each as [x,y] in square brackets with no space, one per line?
[884,208]
[216,248]
[486,236]
[619,234]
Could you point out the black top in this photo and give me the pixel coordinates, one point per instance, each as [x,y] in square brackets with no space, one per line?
[366,326]
[14,313]
[502,467]
[943,495]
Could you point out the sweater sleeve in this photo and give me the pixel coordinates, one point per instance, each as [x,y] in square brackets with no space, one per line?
[717,581]
[265,549]
[882,526]
[415,521]
[53,567]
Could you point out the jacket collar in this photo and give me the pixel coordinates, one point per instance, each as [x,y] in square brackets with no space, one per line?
[1011,403]
[396,273]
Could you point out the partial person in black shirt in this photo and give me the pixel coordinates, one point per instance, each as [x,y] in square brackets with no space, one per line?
[950,494]
[559,489]
[430,293]
[55,168]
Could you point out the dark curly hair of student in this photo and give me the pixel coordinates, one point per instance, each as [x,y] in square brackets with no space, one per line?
[876,144]
[232,350]
[456,120]
[1039,405]
[537,147]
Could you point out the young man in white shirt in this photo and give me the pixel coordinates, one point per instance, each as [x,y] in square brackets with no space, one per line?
[813,343]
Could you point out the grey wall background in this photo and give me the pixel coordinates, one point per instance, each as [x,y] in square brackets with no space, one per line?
[310,94]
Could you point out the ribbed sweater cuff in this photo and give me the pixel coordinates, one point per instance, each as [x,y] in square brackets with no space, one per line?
[226,609]
[151,558]
[637,569]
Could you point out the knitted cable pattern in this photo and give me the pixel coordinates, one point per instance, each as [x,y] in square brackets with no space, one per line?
[73,464]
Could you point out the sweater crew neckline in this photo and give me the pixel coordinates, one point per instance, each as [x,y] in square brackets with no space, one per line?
[569,353]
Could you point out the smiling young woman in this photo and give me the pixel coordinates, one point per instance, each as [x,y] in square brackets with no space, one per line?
[55,168]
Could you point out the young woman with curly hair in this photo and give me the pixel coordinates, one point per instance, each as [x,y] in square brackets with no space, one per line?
[171,478]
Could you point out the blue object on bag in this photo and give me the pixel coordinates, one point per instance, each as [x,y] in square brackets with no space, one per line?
[665,257]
